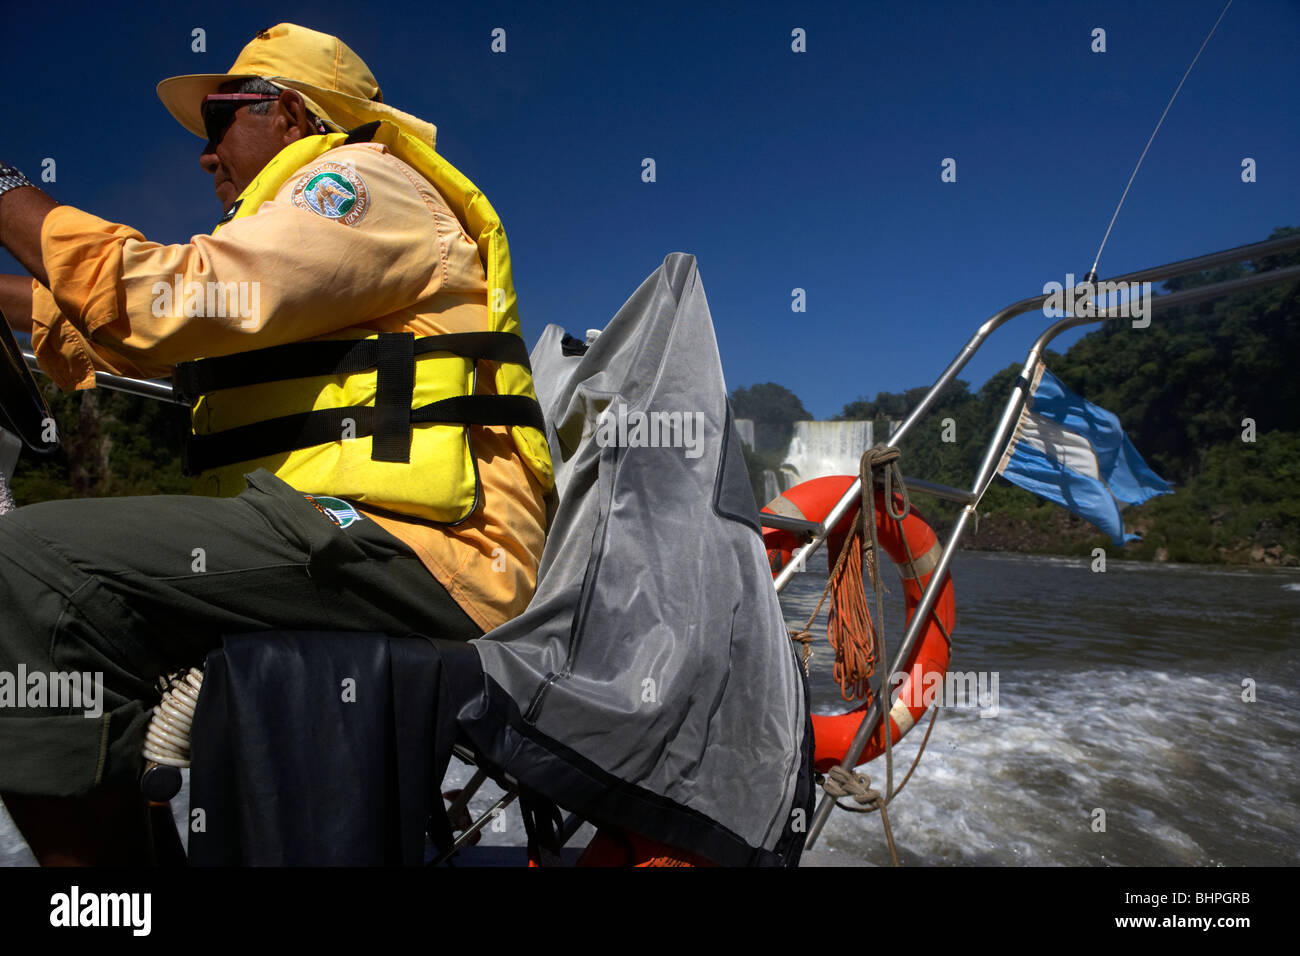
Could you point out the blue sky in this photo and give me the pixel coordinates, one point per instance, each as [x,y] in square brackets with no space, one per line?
[778,170]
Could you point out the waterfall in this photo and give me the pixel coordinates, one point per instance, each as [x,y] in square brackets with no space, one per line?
[818,449]
[745,428]
[771,486]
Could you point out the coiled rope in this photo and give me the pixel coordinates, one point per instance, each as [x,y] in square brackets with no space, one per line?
[167,741]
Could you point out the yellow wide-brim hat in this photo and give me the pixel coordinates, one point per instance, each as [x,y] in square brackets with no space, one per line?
[333,81]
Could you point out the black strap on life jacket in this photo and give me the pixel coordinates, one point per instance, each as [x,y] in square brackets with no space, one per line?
[388,421]
[334,357]
[362,134]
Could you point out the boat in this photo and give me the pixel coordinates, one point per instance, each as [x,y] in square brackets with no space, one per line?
[556,732]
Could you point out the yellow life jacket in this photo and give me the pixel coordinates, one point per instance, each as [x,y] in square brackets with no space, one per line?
[383,419]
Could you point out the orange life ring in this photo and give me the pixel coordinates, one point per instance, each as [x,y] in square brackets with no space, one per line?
[928,662]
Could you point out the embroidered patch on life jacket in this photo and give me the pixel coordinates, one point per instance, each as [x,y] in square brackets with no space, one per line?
[334,191]
[336,509]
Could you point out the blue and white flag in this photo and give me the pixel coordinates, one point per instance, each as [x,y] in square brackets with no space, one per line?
[1070,451]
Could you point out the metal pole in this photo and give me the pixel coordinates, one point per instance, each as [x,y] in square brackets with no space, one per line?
[837,514]
[1174,300]
[501,804]
[1154,274]
[1253,250]
[145,388]
[1005,429]
[984,477]
[915,485]
[873,713]
[467,793]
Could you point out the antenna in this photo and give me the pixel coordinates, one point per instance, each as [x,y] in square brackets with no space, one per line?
[1092,273]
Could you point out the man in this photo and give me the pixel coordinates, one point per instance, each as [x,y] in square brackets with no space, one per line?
[396,481]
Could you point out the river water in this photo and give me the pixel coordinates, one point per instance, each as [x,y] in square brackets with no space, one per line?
[1120,691]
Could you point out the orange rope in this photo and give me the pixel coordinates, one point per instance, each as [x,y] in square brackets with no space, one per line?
[851,631]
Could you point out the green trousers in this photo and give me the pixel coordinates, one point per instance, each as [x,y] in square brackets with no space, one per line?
[108,594]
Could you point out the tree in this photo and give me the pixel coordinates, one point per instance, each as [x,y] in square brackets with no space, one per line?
[774,410]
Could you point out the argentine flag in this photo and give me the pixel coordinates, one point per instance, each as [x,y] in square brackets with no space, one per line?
[1070,451]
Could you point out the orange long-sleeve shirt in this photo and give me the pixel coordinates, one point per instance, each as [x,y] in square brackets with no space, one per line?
[405,264]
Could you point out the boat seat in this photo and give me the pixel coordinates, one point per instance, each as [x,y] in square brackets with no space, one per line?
[322,749]
[329,749]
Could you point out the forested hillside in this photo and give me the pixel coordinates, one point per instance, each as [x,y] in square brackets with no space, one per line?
[111,444]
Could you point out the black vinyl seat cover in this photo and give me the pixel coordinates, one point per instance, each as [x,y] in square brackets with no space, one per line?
[323,749]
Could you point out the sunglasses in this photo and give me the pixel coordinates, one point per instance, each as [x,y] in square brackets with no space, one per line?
[218,111]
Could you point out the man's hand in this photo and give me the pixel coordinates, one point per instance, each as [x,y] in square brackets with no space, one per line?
[16,302]
[22,212]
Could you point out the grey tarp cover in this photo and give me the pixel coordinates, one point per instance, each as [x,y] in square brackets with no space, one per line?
[651,683]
